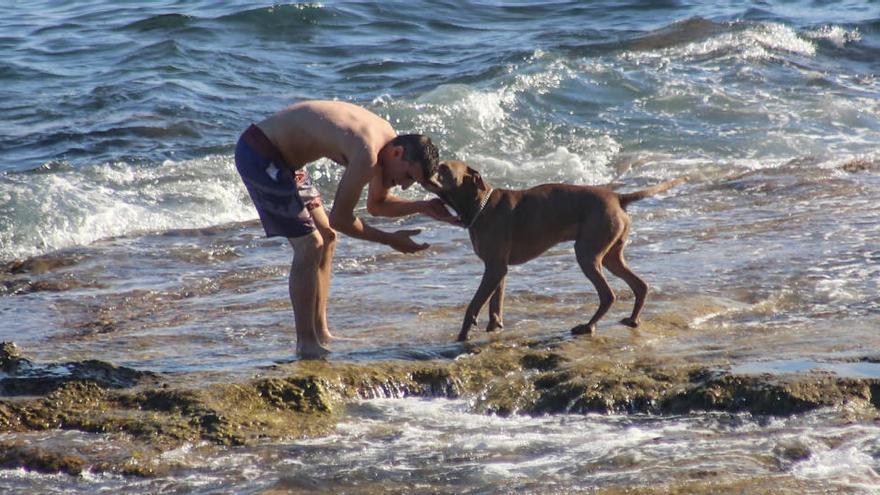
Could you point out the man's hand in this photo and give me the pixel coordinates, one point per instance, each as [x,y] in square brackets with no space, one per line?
[436,209]
[401,241]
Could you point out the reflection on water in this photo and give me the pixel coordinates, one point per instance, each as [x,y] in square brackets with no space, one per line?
[848,370]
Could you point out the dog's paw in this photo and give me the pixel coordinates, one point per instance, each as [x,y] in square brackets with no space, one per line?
[495,326]
[630,322]
[585,329]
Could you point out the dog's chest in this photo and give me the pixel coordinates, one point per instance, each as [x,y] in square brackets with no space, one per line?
[475,242]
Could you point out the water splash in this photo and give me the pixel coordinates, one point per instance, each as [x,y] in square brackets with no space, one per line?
[46,211]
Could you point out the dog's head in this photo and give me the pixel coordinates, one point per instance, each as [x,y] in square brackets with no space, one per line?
[458,185]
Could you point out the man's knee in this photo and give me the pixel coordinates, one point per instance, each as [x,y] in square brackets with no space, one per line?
[328,236]
[308,248]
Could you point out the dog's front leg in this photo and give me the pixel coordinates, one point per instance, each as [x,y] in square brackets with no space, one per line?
[492,277]
[496,308]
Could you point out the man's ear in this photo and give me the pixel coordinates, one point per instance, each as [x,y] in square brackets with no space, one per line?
[478,180]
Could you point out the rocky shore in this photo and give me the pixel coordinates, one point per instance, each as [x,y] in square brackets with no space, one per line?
[147,414]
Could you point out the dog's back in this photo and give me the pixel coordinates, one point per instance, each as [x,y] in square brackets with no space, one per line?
[535,219]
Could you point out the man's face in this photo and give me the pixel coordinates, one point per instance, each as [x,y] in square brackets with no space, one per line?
[399,172]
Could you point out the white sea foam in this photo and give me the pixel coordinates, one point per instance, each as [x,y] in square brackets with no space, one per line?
[759,42]
[848,463]
[835,34]
[394,437]
[42,212]
[586,168]
[460,108]
[472,121]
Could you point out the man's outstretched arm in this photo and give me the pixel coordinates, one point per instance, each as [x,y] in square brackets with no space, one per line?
[343,219]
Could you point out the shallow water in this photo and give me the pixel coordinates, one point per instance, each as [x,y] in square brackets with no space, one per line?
[118,191]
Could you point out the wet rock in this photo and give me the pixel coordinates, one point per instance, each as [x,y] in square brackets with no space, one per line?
[297,394]
[16,455]
[303,399]
[860,165]
[42,273]
[11,359]
[713,483]
[793,452]
[18,286]
[542,361]
[44,263]
[24,377]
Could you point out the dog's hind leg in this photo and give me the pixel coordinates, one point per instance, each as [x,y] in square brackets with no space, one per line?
[496,308]
[589,256]
[617,265]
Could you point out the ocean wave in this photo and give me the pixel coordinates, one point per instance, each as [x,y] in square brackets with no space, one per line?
[684,32]
[17,71]
[277,17]
[61,206]
[160,51]
[160,21]
[743,41]
[837,35]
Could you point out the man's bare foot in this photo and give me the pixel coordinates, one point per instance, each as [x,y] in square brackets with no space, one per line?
[325,340]
[325,337]
[312,351]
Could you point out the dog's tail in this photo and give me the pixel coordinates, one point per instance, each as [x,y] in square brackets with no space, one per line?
[627,198]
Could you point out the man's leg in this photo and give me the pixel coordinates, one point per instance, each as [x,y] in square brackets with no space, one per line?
[325,268]
[303,284]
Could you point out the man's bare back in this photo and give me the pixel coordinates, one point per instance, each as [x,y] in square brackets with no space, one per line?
[340,131]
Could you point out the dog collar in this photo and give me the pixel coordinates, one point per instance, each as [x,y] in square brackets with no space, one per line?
[482,205]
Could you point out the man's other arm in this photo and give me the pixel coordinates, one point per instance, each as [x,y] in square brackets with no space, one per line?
[342,217]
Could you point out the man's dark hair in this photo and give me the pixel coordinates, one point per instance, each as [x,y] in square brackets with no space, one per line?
[418,148]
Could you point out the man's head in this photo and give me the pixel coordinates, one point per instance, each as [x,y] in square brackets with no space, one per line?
[408,158]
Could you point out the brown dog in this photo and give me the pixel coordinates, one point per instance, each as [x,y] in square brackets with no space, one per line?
[511,227]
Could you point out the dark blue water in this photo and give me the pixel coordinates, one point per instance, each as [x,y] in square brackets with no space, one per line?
[142,87]
[91,82]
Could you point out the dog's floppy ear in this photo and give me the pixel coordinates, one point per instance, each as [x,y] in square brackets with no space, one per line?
[433,184]
[444,174]
[477,178]
[437,184]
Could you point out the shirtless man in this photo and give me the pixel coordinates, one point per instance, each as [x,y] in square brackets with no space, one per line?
[270,157]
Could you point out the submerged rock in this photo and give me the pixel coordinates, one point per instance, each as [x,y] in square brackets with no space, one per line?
[24,377]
